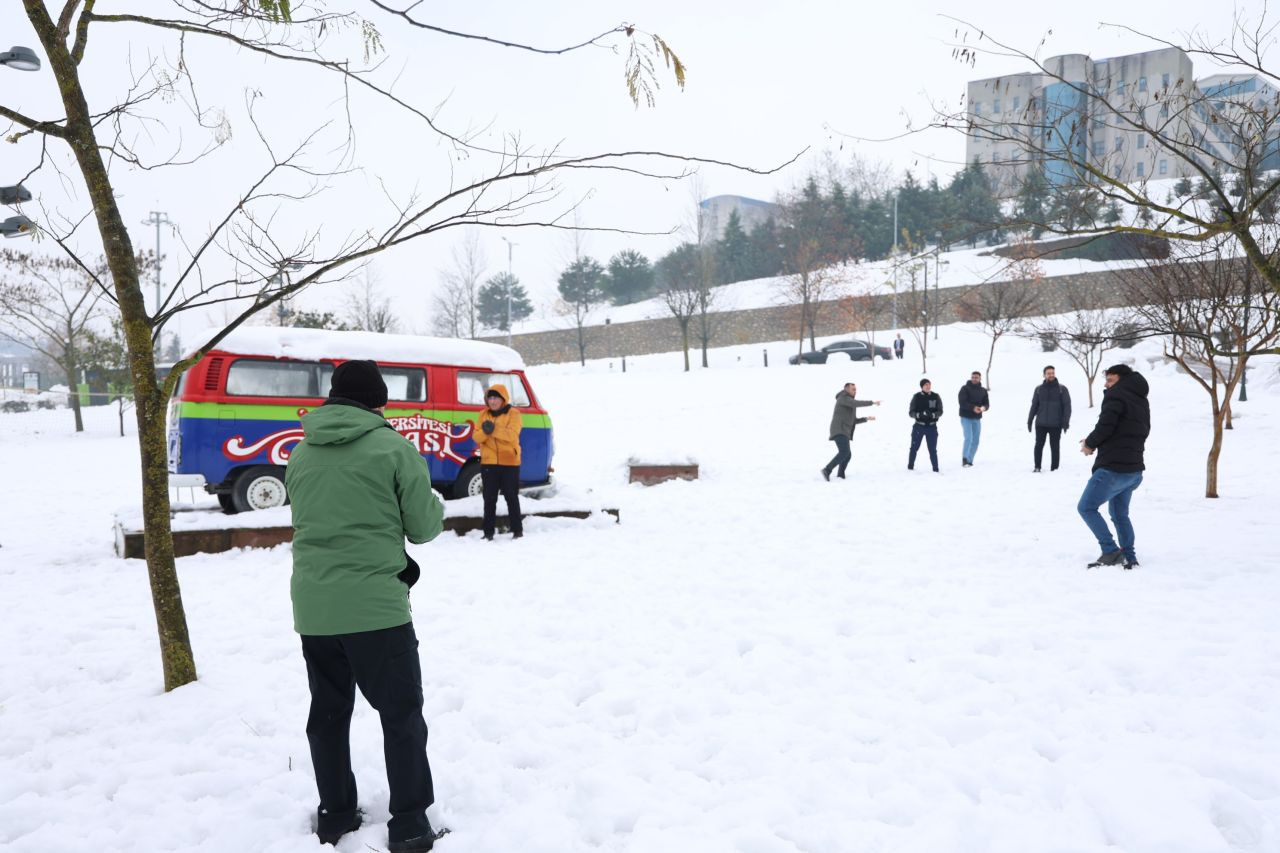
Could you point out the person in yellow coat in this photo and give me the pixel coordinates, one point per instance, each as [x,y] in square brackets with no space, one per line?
[497,432]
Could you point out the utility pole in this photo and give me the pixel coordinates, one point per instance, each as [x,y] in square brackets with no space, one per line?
[510,279]
[895,260]
[157,218]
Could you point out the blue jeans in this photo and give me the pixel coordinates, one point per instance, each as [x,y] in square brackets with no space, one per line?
[972,432]
[1113,489]
[927,434]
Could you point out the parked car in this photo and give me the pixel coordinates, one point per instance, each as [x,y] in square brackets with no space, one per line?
[855,349]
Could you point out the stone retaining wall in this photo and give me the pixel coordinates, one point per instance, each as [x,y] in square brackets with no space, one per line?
[779,323]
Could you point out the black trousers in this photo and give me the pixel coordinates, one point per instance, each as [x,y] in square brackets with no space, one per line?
[928,434]
[504,479]
[1054,434]
[842,457]
[384,664]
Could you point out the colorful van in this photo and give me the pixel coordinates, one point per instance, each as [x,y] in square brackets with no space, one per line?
[235,416]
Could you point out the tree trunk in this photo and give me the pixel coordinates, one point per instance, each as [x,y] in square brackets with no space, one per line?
[120,412]
[684,340]
[73,396]
[991,356]
[166,597]
[1215,450]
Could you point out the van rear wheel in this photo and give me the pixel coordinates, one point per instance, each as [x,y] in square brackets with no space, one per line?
[227,503]
[260,487]
[468,484]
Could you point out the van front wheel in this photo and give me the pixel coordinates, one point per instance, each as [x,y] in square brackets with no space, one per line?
[468,484]
[260,487]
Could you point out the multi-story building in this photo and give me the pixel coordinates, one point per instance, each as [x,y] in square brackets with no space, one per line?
[715,213]
[1112,114]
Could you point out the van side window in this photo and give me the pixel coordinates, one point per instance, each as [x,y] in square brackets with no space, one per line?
[403,383]
[472,387]
[252,378]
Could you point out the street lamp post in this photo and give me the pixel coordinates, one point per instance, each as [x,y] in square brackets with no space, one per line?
[279,277]
[510,279]
[157,218]
[20,59]
[937,274]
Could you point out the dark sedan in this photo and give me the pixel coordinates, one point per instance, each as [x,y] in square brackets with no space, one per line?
[856,351]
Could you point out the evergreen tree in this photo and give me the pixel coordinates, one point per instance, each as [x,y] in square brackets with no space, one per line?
[977,211]
[1030,203]
[630,277]
[764,255]
[491,306]
[733,249]
[316,320]
[582,288]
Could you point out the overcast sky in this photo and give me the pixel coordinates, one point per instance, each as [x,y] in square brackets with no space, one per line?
[765,80]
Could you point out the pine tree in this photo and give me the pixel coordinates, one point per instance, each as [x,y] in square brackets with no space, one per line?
[732,252]
[630,278]
[582,288]
[764,255]
[1030,206]
[491,304]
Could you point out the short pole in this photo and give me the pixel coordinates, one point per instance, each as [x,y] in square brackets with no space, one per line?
[766,358]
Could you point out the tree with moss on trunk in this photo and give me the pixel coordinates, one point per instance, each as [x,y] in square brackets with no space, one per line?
[120,117]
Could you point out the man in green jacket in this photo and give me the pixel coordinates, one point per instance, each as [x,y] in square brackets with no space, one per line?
[358,490]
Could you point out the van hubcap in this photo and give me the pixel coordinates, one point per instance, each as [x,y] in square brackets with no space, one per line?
[265,492]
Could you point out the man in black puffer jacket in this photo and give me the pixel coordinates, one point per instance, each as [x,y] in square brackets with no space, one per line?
[1051,415]
[1119,439]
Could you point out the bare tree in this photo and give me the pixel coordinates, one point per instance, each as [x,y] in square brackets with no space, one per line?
[1204,301]
[367,309]
[1081,130]
[1002,306]
[678,283]
[1083,332]
[51,305]
[863,314]
[107,130]
[108,355]
[813,259]
[461,282]
[913,306]
[704,242]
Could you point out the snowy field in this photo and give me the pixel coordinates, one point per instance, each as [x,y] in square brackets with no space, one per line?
[759,661]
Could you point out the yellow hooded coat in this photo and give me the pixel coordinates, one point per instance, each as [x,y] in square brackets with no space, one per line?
[502,446]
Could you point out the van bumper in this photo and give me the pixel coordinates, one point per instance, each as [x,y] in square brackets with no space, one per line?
[187,481]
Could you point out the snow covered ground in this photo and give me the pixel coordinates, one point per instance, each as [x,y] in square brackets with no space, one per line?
[759,661]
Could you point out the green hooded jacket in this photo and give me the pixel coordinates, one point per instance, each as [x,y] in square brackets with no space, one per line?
[358,490]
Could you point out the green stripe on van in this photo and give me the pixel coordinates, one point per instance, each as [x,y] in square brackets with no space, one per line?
[249,412]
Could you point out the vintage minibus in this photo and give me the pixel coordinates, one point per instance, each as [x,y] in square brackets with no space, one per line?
[235,415]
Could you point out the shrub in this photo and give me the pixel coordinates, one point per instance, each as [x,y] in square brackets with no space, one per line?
[1048,341]
[11,406]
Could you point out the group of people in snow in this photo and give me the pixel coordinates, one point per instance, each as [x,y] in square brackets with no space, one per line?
[1118,441]
[358,491]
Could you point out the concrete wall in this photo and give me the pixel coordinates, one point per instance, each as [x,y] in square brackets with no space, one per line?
[763,325]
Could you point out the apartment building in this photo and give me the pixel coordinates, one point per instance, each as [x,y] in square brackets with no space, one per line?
[715,212]
[1102,112]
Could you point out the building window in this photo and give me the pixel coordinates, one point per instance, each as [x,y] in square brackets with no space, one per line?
[1097,123]
[1164,81]
[1142,141]
[1119,143]
[1140,169]
[995,105]
[1099,148]
[1142,84]
[1164,167]
[1017,102]
[977,108]
[1120,88]
[1118,171]
[1164,111]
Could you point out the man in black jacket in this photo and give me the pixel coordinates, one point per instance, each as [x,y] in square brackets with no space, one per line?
[1119,440]
[926,408]
[973,402]
[843,421]
[1051,415]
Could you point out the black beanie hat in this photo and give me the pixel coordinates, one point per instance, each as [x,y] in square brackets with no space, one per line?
[360,382]
[1119,370]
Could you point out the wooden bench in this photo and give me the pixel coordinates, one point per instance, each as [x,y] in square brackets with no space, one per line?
[648,473]
[131,543]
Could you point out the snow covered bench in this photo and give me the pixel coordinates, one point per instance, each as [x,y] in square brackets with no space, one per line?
[650,470]
[207,530]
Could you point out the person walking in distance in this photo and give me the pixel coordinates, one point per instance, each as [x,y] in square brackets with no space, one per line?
[899,346]
[1119,439]
[925,410]
[973,402]
[843,422]
[497,431]
[1050,415]
[357,491]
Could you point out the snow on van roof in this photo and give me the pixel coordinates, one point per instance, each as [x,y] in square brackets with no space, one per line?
[314,344]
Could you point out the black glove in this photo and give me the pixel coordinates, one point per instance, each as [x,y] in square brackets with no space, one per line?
[487,426]
[410,573]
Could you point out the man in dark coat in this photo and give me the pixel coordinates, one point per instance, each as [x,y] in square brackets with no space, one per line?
[899,346]
[973,402]
[925,410]
[1119,440]
[1051,415]
[843,421]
